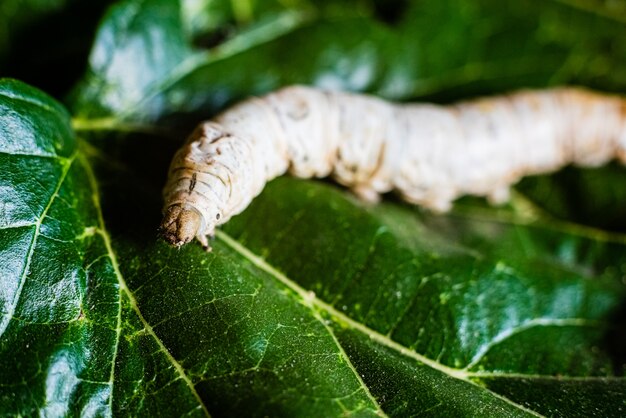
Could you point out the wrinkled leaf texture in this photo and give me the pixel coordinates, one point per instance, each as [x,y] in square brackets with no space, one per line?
[311,303]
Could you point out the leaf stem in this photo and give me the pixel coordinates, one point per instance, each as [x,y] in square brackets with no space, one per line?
[112,123]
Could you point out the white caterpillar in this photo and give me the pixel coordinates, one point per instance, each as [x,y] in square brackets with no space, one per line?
[429,154]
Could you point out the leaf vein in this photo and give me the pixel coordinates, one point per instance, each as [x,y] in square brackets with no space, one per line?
[285,24]
[533,323]
[11,311]
[316,304]
[586,7]
[123,287]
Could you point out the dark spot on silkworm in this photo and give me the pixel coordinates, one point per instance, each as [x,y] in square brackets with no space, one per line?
[218,151]
[218,216]
[299,112]
[222,136]
[192,183]
[381,157]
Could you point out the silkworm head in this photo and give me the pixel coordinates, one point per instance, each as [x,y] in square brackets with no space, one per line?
[181,224]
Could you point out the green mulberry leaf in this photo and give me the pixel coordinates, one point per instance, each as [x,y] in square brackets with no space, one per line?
[312,303]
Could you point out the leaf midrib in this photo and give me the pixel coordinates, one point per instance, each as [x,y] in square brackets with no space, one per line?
[528,213]
[123,287]
[310,300]
[285,23]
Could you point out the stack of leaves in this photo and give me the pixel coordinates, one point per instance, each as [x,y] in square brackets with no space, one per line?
[312,303]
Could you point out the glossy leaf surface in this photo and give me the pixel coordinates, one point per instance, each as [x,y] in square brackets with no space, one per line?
[311,303]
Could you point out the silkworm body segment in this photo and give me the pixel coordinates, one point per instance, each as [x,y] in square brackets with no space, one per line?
[429,154]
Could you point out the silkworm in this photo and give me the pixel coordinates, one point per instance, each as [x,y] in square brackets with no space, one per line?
[429,154]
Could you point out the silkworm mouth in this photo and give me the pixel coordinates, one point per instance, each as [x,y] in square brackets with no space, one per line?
[180,225]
